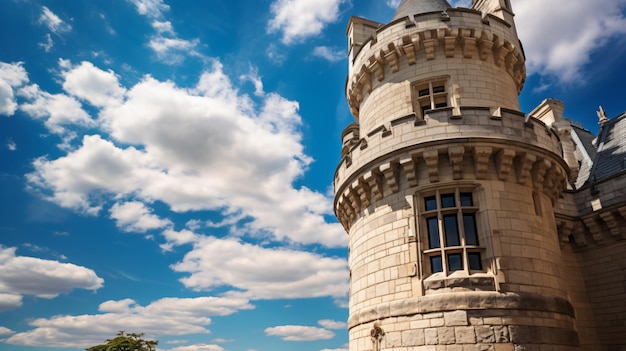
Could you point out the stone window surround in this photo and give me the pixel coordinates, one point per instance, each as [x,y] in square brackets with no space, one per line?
[432,99]
[442,251]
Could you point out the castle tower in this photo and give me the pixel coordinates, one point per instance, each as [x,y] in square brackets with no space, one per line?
[446,190]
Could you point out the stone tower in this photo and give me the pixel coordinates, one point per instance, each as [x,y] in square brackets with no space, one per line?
[447,190]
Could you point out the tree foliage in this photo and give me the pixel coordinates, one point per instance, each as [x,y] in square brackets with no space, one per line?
[126,342]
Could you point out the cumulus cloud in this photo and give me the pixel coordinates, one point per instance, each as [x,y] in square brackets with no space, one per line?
[300,19]
[329,54]
[86,82]
[12,75]
[559,36]
[167,316]
[299,333]
[331,324]
[204,148]
[20,275]
[58,111]
[53,22]
[5,331]
[134,216]
[262,273]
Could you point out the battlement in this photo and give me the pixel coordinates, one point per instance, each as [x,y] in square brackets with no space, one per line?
[402,50]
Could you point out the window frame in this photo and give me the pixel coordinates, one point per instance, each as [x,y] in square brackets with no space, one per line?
[430,95]
[440,252]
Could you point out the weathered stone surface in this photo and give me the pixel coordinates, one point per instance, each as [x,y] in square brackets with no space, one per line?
[446,336]
[414,337]
[431,336]
[485,334]
[455,318]
[465,335]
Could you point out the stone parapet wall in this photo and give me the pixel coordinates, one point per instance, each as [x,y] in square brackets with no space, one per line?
[481,56]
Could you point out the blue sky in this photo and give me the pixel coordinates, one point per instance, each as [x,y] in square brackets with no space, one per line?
[166,167]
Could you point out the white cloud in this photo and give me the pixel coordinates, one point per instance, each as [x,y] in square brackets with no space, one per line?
[300,19]
[48,44]
[163,27]
[20,275]
[197,347]
[134,216]
[167,316]
[262,273]
[559,35]
[10,301]
[53,22]
[206,148]
[99,88]
[173,50]
[330,324]
[57,110]
[5,331]
[11,145]
[12,75]
[300,333]
[329,54]
[150,8]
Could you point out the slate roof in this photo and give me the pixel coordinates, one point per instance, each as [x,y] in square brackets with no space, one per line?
[611,155]
[586,138]
[412,7]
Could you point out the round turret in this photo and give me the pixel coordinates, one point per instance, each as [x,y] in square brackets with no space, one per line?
[446,190]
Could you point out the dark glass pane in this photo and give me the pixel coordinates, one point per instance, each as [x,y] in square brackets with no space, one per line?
[433,233]
[466,199]
[423,92]
[447,200]
[451,229]
[455,262]
[430,203]
[439,89]
[474,261]
[441,104]
[425,108]
[469,224]
[436,264]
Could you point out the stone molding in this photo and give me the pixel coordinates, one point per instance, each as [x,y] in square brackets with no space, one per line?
[422,45]
[462,301]
[527,166]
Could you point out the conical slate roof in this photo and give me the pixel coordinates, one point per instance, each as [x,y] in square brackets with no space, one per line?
[412,7]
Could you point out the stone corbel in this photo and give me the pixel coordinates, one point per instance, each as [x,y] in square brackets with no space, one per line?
[481,161]
[468,43]
[365,193]
[539,173]
[594,228]
[376,67]
[485,45]
[375,182]
[391,57]
[431,157]
[455,154]
[524,166]
[504,162]
[408,164]
[390,171]
[409,48]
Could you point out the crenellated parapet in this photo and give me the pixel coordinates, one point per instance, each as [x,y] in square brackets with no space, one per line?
[411,44]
